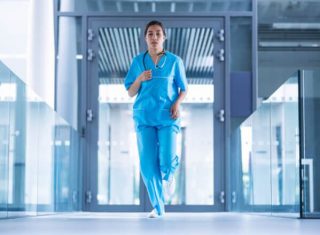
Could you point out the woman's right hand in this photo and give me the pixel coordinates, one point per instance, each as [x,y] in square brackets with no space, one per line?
[134,88]
[145,75]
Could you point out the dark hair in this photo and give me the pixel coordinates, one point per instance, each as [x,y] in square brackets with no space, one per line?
[154,22]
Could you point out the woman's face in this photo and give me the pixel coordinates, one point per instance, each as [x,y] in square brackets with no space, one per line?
[155,37]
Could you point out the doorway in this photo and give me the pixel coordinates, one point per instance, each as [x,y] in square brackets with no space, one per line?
[114,182]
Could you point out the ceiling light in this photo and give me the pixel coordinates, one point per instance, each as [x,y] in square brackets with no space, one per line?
[296,25]
[288,44]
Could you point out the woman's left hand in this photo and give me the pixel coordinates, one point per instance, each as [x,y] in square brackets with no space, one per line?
[174,110]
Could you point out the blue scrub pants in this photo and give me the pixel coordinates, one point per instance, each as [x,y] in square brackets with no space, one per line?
[158,159]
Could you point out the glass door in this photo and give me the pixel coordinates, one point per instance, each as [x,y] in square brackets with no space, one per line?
[114,182]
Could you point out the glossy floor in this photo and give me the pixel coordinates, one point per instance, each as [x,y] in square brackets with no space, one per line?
[172,223]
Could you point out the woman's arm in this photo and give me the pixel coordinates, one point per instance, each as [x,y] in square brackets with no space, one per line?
[134,88]
[175,107]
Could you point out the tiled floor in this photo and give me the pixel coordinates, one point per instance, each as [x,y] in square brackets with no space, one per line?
[173,223]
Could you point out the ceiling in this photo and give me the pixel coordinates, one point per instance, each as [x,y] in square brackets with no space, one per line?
[122,44]
[269,11]
[155,5]
[272,11]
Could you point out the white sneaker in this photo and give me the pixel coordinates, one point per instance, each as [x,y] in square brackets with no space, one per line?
[169,188]
[154,214]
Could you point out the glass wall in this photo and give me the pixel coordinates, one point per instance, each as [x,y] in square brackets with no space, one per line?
[266,150]
[310,161]
[14,42]
[38,153]
[5,89]
[284,148]
[275,152]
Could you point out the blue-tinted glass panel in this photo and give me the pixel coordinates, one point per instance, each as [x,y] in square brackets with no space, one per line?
[310,81]
[6,91]
[265,153]
[284,147]
[38,153]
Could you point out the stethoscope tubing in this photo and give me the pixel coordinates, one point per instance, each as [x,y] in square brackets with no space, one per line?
[157,66]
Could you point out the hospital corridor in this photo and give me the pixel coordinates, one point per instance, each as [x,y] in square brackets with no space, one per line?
[159,117]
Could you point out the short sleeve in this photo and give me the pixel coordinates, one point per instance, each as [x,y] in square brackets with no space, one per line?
[180,75]
[132,74]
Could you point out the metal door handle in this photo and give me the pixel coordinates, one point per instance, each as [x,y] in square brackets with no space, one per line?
[89,115]
[222,197]
[220,115]
[220,55]
[220,35]
[91,54]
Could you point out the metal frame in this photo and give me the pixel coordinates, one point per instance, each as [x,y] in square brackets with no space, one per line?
[97,22]
[302,140]
[254,54]
[228,166]
[302,76]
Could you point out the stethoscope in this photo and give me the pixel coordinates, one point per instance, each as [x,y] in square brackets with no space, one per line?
[157,65]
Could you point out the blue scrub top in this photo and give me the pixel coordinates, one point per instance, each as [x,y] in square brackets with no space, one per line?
[156,96]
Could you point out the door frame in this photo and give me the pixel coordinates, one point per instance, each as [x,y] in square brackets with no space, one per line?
[219,104]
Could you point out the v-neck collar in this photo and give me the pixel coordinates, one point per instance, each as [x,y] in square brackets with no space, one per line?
[151,60]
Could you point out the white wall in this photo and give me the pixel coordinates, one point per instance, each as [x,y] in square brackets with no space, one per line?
[40,64]
[27,43]
[14,25]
